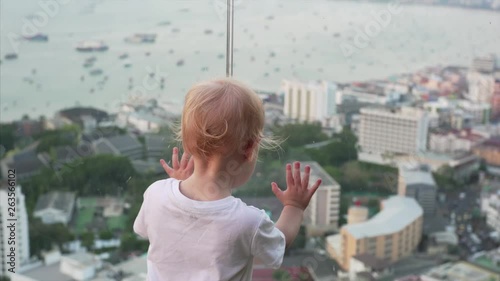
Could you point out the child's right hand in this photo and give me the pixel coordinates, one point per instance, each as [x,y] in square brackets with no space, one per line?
[178,171]
[297,193]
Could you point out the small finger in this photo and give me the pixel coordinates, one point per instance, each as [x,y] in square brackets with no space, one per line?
[289,176]
[175,158]
[276,190]
[315,186]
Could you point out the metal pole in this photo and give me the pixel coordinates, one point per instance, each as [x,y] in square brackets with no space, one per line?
[229,43]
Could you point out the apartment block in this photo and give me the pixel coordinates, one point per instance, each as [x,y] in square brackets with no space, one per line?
[311,102]
[416,181]
[390,235]
[322,214]
[393,131]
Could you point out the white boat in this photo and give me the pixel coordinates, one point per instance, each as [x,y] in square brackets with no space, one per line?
[91,46]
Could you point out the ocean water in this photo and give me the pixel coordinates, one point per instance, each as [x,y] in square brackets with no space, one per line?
[274,40]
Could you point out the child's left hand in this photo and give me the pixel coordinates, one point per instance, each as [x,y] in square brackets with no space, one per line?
[178,171]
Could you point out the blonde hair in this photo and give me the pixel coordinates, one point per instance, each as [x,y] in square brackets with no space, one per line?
[219,117]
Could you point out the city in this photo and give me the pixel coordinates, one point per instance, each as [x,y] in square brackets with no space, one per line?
[394,105]
[411,187]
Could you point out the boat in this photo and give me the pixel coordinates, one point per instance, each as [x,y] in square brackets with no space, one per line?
[220,56]
[141,38]
[127,64]
[88,64]
[91,46]
[176,30]
[336,34]
[95,72]
[180,63]
[11,56]
[208,31]
[39,37]
[164,23]
[123,56]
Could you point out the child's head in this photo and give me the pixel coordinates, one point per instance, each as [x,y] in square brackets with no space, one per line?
[220,118]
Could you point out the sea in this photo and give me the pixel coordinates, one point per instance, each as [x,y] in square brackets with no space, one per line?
[306,40]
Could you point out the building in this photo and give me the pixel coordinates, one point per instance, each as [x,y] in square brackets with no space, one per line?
[486,64]
[55,207]
[357,214]
[126,145]
[490,206]
[16,237]
[80,266]
[385,131]
[311,102]
[489,151]
[453,141]
[156,146]
[368,264]
[322,214]
[370,94]
[416,181]
[27,163]
[392,234]
[460,271]
[481,86]
[479,111]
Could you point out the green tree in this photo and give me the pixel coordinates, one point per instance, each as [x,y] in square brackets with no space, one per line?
[299,134]
[88,239]
[281,275]
[44,237]
[7,137]
[4,278]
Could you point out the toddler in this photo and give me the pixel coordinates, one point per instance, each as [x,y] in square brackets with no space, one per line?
[196,229]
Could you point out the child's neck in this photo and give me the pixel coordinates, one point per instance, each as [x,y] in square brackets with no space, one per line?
[209,181]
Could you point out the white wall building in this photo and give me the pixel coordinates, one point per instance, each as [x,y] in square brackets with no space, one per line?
[481,86]
[392,131]
[322,214]
[490,206]
[453,141]
[55,207]
[13,237]
[480,111]
[80,266]
[311,102]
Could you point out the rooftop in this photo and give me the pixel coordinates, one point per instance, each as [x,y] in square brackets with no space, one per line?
[318,172]
[397,212]
[416,175]
[59,200]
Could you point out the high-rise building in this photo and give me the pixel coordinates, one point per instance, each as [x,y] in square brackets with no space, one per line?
[311,102]
[481,86]
[391,235]
[490,206]
[396,131]
[416,181]
[14,232]
[486,64]
[322,214]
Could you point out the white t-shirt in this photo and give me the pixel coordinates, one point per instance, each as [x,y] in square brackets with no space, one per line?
[204,240]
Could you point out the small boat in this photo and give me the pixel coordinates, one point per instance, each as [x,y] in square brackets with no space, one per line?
[95,72]
[11,56]
[208,31]
[91,46]
[123,56]
[171,51]
[220,56]
[127,65]
[180,63]
[141,38]
[336,35]
[164,23]
[175,30]
[147,54]
[39,37]
[91,59]
[88,64]
[272,54]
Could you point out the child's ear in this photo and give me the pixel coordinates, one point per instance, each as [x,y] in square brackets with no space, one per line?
[249,149]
